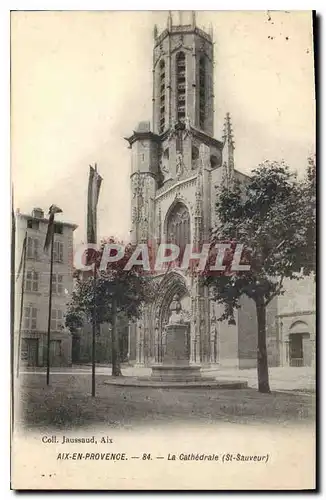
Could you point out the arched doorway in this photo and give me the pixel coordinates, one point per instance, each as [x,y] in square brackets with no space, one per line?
[173,284]
[300,353]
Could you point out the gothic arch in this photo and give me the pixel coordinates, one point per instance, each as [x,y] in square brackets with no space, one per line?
[299,326]
[175,205]
[173,283]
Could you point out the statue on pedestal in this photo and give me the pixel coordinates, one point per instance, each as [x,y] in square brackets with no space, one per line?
[165,171]
[179,169]
[176,311]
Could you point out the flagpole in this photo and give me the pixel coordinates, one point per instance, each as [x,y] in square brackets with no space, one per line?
[21,303]
[94,309]
[94,184]
[94,333]
[50,312]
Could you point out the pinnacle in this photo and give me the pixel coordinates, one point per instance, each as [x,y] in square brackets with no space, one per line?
[227,130]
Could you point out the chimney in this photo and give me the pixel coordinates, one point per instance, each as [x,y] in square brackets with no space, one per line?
[38,213]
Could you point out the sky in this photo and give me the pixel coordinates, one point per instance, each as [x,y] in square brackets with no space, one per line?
[82,80]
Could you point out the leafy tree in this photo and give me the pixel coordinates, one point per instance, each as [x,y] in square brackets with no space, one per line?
[268,215]
[74,318]
[114,291]
[306,211]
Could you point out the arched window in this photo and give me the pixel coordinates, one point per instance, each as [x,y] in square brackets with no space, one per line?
[178,227]
[300,353]
[214,161]
[202,91]
[181,86]
[194,157]
[162,96]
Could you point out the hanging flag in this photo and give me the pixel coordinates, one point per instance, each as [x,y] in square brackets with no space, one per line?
[54,209]
[94,184]
[23,256]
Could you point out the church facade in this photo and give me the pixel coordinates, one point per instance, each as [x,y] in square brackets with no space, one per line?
[177,169]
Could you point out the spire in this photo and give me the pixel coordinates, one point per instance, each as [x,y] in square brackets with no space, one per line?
[198,194]
[193,17]
[203,151]
[199,182]
[181,18]
[169,24]
[210,30]
[227,131]
[228,149]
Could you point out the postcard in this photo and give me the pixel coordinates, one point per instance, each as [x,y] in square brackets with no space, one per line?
[163,250]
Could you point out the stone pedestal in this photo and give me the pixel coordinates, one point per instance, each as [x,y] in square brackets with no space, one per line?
[175,366]
[176,345]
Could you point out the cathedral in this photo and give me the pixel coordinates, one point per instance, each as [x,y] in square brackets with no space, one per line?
[177,169]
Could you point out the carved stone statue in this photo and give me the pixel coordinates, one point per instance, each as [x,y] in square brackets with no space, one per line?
[164,167]
[204,155]
[179,169]
[176,311]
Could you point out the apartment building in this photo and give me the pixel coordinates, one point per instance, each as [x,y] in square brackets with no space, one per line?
[33,311]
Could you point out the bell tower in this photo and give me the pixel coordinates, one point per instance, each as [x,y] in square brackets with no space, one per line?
[177,169]
[183,75]
[167,151]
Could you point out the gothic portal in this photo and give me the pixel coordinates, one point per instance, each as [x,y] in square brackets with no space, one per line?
[177,168]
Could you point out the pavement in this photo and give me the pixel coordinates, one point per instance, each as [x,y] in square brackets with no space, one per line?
[280,378]
[300,379]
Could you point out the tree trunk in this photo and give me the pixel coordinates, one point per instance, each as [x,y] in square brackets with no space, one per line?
[116,370]
[262,359]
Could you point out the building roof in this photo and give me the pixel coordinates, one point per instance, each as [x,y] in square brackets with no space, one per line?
[188,28]
[138,136]
[43,219]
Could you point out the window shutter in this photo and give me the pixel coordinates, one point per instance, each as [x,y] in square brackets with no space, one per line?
[29,247]
[60,288]
[34,317]
[28,283]
[35,282]
[60,319]
[53,319]
[35,248]
[61,252]
[26,318]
